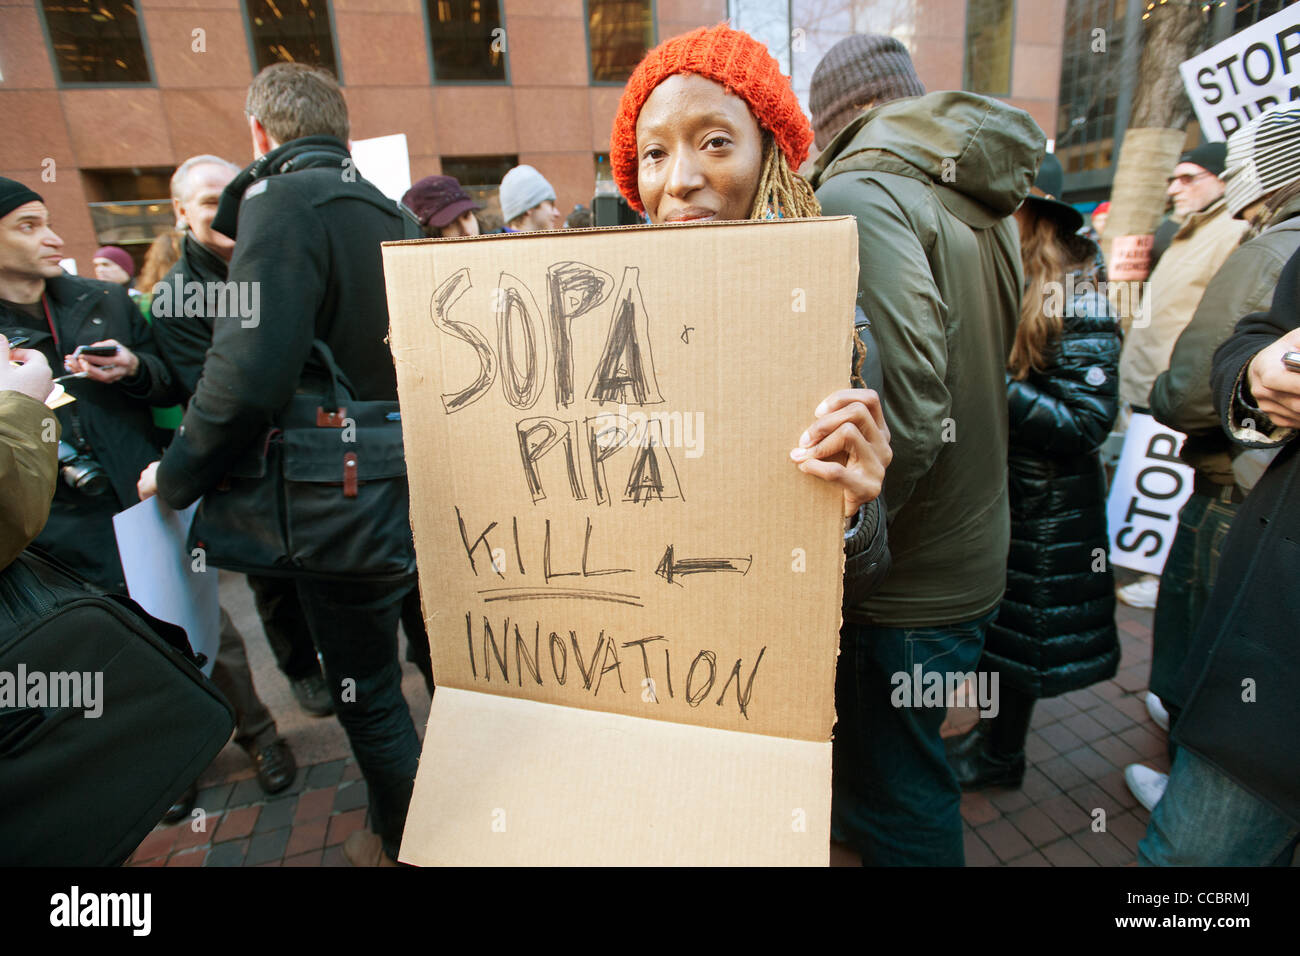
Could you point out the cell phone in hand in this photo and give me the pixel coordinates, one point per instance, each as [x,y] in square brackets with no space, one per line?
[1291,360]
[18,341]
[99,350]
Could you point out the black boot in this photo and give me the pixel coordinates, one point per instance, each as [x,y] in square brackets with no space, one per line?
[981,769]
[179,810]
[1000,761]
[970,742]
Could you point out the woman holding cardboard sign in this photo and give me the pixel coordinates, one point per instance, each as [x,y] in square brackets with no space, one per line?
[709,130]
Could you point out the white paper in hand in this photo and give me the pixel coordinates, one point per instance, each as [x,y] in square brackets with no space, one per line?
[164,578]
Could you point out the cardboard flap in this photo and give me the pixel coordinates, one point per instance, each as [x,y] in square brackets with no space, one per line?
[598,427]
[509,782]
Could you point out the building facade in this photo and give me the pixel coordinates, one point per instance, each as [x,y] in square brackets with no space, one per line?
[1099,70]
[101,100]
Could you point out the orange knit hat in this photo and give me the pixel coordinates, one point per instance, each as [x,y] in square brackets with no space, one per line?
[728,57]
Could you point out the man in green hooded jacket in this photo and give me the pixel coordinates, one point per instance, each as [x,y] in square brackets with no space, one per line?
[932,180]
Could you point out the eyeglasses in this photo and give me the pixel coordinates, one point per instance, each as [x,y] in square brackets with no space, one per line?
[1186,179]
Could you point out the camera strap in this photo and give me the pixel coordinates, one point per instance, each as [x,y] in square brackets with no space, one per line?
[78,436]
[49,319]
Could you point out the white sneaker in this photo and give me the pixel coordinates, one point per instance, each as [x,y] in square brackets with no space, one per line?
[1146,784]
[1156,709]
[1141,593]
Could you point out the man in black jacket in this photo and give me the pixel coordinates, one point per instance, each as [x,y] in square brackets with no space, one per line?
[1233,796]
[184,336]
[307,260]
[108,433]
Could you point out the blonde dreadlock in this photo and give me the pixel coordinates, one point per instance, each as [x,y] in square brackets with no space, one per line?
[784,194]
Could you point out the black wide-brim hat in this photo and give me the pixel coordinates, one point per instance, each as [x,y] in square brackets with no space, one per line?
[1050,184]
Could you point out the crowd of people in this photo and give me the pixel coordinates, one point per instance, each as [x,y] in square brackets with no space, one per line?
[966,443]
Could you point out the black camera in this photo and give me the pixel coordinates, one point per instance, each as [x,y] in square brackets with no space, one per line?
[80,471]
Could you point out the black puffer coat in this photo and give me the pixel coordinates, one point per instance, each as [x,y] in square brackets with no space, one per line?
[1055,630]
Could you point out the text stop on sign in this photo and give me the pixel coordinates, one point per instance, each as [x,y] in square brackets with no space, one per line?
[1150,487]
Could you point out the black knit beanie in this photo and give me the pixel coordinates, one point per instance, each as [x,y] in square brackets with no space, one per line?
[14,194]
[859,70]
[1209,156]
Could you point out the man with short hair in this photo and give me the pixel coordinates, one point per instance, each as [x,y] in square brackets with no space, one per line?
[528,201]
[1232,798]
[108,433]
[184,339]
[932,180]
[1201,245]
[1262,179]
[307,233]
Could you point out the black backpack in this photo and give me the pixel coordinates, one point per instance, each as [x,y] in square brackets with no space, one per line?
[83,790]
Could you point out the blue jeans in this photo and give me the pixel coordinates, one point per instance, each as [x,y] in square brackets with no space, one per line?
[1185,585]
[354,626]
[1206,819]
[895,799]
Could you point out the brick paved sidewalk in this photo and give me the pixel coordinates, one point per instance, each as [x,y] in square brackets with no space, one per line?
[1078,747]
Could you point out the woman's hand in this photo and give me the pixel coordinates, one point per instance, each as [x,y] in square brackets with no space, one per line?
[848,445]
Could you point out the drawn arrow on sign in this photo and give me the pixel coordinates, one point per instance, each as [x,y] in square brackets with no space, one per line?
[680,567]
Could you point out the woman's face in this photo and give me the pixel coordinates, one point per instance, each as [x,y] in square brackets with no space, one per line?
[466,225]
[699,152]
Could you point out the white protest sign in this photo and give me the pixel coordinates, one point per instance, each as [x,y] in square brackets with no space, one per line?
[1150,487]
[385,161]
[1234,81]
[164,578]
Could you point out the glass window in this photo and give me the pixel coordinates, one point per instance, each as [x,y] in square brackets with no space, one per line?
[619,32]
[989,25]
[798,33]
[478,170]
[294,31]
[769,22]
[1090,85]
[469,43]
[129,207]
[96,43]
[1251,12]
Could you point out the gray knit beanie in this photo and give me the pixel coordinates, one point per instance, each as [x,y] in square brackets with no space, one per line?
[859,70]
[521,189]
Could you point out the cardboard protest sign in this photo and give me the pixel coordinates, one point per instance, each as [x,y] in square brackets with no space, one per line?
[632,594]
[1234,81]
[1130,257]
[1150,487]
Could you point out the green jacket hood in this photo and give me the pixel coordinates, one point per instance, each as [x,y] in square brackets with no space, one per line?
[978,149]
